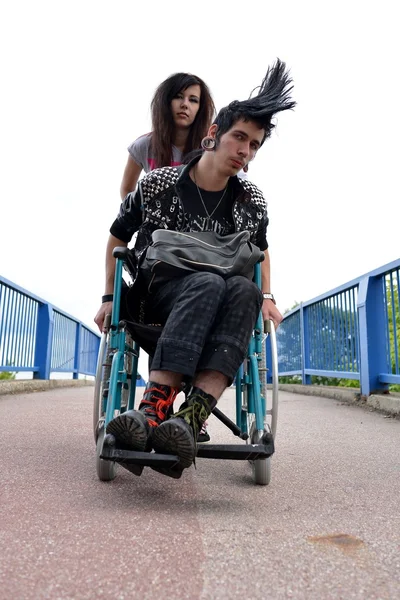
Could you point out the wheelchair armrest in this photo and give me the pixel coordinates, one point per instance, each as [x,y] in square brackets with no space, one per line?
[120,252]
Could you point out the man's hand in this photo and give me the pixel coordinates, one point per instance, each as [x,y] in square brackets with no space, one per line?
[105,309]
[269,311]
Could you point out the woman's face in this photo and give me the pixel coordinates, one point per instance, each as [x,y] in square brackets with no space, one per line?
[185,106]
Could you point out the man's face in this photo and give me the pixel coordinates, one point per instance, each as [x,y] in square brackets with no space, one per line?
[238,146]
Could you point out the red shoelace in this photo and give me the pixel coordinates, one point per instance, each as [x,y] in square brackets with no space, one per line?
[158,407]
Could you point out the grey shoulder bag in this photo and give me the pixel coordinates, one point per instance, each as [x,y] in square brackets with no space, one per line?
[177,253]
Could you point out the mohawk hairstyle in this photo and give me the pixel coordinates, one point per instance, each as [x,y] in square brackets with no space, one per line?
[273,97]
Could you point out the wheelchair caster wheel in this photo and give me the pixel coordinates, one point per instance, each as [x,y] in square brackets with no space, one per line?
[106,469]
[262,467]
[262,471]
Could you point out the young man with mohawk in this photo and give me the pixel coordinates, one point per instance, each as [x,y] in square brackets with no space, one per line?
[208,320]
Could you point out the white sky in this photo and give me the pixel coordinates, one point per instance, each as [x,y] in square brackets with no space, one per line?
[77,78]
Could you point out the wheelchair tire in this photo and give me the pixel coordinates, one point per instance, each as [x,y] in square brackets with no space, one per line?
[273,370]
[262,471]
[275,381]
[262,467]
[128,359]
[106,469]
[263,374]
[102,376]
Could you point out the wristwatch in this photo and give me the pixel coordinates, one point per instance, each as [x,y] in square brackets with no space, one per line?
[268,297]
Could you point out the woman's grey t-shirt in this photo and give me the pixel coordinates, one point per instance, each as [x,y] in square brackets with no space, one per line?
[140,151]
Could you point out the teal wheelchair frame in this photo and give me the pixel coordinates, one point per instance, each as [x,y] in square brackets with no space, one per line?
[115,390]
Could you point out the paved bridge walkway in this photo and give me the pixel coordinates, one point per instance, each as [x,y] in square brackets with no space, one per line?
[328,525]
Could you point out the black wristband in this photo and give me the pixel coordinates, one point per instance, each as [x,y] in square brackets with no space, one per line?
[107,298]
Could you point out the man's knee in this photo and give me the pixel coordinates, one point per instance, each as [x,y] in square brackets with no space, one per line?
[208,283]
[244,290]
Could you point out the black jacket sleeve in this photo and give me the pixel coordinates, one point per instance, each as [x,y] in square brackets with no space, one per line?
[130,216]
[261,236]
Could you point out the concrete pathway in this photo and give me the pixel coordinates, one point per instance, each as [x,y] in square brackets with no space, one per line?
[327,527]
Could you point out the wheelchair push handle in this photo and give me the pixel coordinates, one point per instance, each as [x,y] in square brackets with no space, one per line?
[107,322]
[267,326]
[121,252]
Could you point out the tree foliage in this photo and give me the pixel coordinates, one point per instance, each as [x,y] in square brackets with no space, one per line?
[393,317]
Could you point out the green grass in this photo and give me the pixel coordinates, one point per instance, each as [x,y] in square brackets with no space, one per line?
[6,375]
[334,381]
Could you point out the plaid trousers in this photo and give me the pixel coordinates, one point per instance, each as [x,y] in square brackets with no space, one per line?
[207,322]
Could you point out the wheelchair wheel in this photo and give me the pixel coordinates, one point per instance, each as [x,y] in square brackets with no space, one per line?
[106,469]
[262,471]
[272,412]
[262,467]
[275,380]
[103,370]
[128,365]
[262,370]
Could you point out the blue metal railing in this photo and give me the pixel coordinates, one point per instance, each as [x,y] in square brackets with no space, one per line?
[38,337]
[351,332]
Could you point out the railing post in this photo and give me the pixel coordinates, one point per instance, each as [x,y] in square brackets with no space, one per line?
[44,341]
[372,327]
[77,356]
[305,343]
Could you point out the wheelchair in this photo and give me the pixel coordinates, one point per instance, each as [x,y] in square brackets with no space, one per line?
[115,390]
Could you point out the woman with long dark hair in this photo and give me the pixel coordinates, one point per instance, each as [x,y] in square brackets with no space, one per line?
[181,112]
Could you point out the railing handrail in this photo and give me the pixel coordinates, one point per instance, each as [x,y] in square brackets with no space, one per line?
[32,296]
[38,337]
[350,332]
[395,264]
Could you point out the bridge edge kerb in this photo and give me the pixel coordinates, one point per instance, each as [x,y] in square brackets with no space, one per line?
[27,386]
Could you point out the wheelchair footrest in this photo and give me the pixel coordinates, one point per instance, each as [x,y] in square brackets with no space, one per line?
[145,459]
[235,451]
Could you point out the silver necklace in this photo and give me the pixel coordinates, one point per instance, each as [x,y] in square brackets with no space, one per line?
[209,215]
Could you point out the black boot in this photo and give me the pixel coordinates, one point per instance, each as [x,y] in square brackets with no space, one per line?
[179,434]
[133,427]
[204,436]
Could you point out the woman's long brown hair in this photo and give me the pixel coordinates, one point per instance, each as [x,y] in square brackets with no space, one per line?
[163,127]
